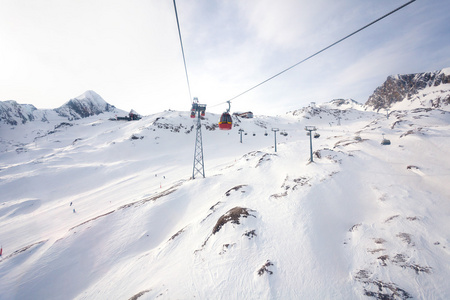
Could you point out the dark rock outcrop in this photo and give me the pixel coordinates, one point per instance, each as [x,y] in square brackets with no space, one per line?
[403,87]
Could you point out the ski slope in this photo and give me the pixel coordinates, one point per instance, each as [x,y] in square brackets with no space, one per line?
[362,221]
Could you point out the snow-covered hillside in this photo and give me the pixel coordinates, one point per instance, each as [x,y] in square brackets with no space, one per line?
[99,209]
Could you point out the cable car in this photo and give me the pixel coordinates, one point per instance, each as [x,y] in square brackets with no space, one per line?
[225,122]
[194,107]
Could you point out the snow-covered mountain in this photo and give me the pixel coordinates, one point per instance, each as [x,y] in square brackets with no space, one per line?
[333,112]
[430,89]
[335,105]
[99,209]
[13,113]
[87,104]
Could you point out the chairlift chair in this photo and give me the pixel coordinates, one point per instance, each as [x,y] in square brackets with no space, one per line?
[385,142]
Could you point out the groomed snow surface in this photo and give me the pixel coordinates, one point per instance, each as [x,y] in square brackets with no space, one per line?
[99,209]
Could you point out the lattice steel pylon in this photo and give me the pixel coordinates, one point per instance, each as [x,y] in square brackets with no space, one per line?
[199,166]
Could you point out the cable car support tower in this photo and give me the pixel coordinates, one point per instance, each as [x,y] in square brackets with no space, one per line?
[199,166]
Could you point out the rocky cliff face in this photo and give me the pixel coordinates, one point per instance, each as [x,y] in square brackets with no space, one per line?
[411,87]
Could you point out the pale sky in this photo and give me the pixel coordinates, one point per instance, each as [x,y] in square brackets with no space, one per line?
[129,52]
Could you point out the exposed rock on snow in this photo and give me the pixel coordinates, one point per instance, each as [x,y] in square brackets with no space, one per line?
[265,268]
[23,249]
[261,156]
[226,247]
[138,295]
[279,195]
[164,193]
[295,183]
[136,137]
[236,188]
[354,227]
[379,289]
[232,216]
[177,234]
[250,234]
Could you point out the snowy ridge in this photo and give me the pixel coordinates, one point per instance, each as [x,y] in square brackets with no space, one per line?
[342,104]
[362,221]
[86,105]
[13,113]
[332,112]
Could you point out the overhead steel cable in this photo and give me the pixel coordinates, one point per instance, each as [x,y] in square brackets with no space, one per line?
[318,52]
[182,51]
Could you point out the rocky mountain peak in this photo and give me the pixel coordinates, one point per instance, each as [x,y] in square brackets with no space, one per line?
[87,104]
[398,88]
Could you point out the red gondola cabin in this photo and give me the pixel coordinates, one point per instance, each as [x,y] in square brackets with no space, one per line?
[225,122]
